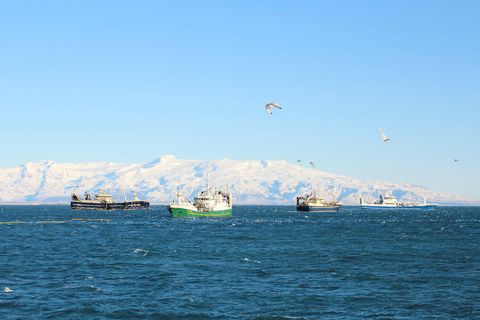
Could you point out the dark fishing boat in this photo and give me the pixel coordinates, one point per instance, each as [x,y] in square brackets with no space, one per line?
[312,202]
[103,201]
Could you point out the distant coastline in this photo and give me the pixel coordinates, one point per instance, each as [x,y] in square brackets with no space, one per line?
[252,182]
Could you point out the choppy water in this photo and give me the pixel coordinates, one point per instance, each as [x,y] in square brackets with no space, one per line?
[264,263]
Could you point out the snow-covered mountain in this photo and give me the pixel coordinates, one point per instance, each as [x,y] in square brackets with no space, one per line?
[251,182]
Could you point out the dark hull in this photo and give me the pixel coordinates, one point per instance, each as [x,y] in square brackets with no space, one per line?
[318,209]
[127,205]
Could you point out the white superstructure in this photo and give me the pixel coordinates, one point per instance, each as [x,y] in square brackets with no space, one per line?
[390,202]
[182,203]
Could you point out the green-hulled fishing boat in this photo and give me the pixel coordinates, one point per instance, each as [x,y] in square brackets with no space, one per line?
[209,203]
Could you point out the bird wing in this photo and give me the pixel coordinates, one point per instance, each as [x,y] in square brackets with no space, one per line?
[273,105]
[276,105]
[384,136]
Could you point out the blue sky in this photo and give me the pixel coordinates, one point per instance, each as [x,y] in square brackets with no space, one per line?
[128,81]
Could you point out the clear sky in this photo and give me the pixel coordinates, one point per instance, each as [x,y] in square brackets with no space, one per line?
[128,81]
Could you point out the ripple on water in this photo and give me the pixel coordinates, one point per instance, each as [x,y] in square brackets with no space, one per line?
[265,262]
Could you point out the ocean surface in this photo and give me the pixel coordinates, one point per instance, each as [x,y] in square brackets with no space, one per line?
[266,262]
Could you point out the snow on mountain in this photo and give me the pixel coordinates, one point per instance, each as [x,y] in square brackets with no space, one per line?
[251,182]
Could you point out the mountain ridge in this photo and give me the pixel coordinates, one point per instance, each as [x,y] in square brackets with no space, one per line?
[251,182]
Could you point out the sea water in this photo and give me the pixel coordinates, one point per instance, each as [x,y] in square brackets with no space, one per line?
[266,262]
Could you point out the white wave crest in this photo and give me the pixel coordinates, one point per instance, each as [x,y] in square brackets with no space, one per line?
[141,251]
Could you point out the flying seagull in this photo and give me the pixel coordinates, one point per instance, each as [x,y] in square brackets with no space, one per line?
[312,164]
[270,106]
[384,136]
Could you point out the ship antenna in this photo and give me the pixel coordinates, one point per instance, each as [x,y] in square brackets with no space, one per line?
[135,197]
[208,181]
[178,192]
[333,196]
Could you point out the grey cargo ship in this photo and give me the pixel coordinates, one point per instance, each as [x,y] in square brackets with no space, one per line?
[103,201]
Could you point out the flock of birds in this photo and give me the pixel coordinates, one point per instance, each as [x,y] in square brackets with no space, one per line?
[272,106]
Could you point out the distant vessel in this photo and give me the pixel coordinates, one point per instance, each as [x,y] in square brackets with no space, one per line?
[390,202]
[103,201]
[312,202]
[208,203]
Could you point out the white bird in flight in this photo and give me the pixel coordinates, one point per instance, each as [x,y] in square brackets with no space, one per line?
[384,136]
[270,106]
